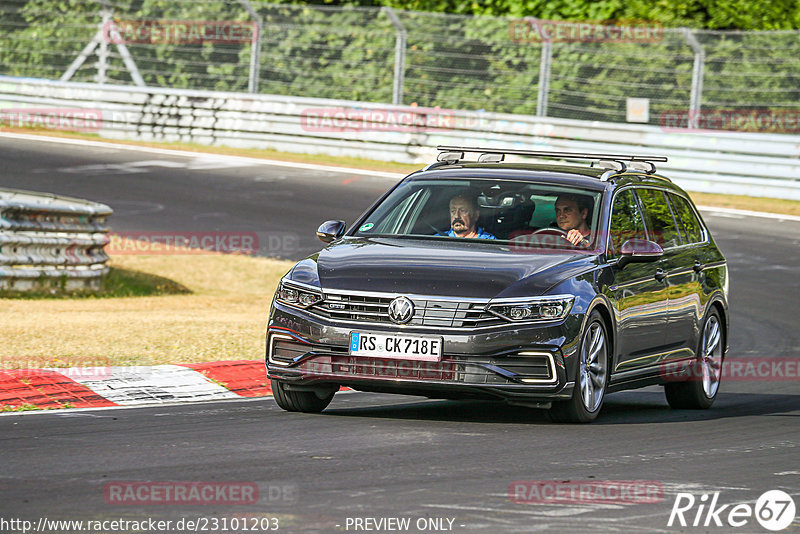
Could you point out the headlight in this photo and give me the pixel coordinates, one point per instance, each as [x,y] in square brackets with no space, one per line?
[553,308]
[297,296]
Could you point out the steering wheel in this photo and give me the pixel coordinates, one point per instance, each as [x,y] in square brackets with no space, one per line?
[562,234]
[553,231]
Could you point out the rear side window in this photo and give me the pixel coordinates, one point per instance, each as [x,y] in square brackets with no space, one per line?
[661,225]
[691,229]
[626,222]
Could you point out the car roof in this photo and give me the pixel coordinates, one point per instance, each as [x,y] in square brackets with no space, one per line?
[591,172]
[591,178]
[607,171]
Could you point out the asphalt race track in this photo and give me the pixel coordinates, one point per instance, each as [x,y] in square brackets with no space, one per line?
[157,193]
[446,466]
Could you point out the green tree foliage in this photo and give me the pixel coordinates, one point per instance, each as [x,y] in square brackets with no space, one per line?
[708,14]
[325,53]
[52,33]
[489,62]
[700,14]
[44,35]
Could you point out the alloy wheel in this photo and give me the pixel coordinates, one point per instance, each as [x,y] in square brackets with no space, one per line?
[711,357]
[593,366]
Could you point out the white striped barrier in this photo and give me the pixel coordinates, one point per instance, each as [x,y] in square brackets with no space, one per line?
[728,162]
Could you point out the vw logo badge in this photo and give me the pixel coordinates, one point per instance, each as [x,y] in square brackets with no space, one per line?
[401,310]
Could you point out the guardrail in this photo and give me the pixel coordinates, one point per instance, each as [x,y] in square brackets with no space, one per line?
[49,241]
[754,164]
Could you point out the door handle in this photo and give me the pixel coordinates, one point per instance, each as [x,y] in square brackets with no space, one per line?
[660,275]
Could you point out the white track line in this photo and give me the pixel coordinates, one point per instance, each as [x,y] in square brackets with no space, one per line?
[207,155]
[748,213]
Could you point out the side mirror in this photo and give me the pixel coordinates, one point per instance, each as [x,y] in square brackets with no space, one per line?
[330,230]
[639,251]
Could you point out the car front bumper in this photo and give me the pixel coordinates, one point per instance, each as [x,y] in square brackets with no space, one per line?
[526,364]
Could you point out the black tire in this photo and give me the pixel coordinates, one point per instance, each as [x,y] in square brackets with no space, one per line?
[591,381]
[700,391]
[299,401]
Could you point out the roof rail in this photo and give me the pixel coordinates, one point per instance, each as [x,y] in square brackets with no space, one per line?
[451,150]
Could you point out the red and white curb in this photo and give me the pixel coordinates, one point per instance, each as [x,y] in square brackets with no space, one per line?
[88,387]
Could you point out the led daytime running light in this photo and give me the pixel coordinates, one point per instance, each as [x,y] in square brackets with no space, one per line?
[543,309]
[297,297]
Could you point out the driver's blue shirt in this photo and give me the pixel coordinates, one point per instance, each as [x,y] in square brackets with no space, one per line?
[482,234]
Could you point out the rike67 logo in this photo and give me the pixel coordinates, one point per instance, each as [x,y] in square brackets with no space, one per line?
[774,510]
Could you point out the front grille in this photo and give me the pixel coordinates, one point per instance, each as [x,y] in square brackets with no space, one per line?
[453,369]
[351,366]
[427,312]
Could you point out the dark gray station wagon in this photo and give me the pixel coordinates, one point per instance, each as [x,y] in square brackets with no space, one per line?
[542,285]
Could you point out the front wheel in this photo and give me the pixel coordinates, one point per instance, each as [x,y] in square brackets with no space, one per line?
[299,401]
[706,372]
[592,376]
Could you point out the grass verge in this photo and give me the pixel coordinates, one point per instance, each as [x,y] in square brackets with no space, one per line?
[119,282]
[219,314]
[772,205]
[31,407]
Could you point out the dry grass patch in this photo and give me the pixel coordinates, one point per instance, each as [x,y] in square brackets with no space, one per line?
[223,318]
[772,205]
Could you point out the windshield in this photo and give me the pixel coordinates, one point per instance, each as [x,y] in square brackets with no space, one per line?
[500,211]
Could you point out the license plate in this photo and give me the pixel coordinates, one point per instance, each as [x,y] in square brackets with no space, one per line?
[398,347]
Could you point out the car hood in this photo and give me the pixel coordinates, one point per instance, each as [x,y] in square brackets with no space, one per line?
[437,267]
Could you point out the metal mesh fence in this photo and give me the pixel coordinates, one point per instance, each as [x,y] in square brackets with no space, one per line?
[495,64]
[751,69]
[326,52]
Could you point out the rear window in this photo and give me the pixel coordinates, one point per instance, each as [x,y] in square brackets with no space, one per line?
[691,229]
[661,225]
